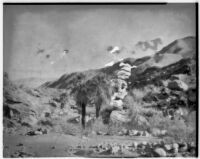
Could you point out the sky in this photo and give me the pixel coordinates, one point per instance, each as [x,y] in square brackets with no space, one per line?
[35,36]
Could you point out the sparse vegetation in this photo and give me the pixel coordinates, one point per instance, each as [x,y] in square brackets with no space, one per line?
[152,106]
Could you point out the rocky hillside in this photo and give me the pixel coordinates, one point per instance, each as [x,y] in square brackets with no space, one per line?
[176,61]
[165,81]
[26,109]
[152,94]
[179,57]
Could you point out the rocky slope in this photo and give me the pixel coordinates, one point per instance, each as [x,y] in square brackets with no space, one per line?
[154,95]
[170,68]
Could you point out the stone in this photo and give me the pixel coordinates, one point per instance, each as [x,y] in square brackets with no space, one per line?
[183,147]
[155,132]
[120,95]
[139,133]
[142,120]
[20,144]
[38,133]
[168,147]
[135,144]
[115,149]
[133,132]
[178,85]
[175,147]
[127,69]
[124,130]
[192,144]
[145,133]
[163,132]
[30,121]
[117,104]
[119,116]
[44,131]
[123,73]
[144,142]
[159,152]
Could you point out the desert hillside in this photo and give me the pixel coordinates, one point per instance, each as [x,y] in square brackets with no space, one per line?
[148,101]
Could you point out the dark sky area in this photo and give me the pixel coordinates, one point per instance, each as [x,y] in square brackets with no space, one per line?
[35,36]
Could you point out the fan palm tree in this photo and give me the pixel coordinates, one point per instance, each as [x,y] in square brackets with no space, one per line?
[97,90]
[82,100]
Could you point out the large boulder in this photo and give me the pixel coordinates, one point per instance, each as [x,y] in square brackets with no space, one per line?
[141,120]
[120,95]
[119,116]
[178,85]
[159,152]
[117,104]
[123,73]
[29,121]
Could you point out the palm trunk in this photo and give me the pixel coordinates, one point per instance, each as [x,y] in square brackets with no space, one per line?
[83,115]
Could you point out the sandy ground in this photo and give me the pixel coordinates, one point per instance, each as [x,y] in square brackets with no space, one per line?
[60,145]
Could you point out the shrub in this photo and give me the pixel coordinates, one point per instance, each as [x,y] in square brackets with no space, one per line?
[177,128]
[99,126]
[46,122]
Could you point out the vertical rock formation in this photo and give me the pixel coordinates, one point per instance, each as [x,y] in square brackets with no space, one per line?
[117,99]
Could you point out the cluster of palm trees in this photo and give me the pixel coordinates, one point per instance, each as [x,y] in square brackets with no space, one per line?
[96,90]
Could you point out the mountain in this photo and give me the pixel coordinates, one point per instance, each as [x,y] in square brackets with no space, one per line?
[176,58]
[31,82]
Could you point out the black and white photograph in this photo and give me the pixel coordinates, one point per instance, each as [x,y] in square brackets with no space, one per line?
[100,80]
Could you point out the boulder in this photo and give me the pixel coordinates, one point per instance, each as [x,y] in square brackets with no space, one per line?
[120,95]
[125,131]
[38,132]
[135,144]
[119,116]
[155,132]
[117,104]
[175,147]
[100,133]
[139,133]
[145,133]
[141,120]
[123,73]
[183,147]
[178,85]
[168,147]
[115,149]
[192,95]
[159,152]
[133,132]
[54,103]
[29,121]
[126,68]
[150,98]
[163,132]
[122,64]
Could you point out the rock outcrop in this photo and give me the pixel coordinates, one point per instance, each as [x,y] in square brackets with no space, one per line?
[120,115]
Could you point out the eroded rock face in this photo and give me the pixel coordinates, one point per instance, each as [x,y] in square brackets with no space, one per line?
[121,91]
[119,116]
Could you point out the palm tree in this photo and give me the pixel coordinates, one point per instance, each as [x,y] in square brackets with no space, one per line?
[96,89]
[82,100]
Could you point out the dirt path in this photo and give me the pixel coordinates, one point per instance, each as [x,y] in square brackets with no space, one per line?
[58,145]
